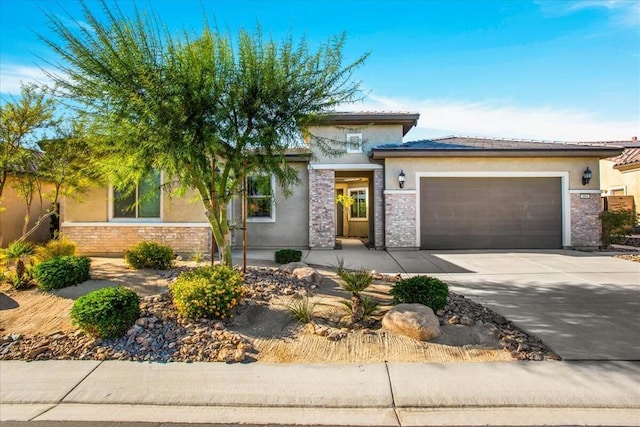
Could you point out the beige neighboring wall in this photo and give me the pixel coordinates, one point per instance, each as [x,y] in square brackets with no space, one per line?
[627,178]
[574,165]
[187,208]
[93,206]
[372,135]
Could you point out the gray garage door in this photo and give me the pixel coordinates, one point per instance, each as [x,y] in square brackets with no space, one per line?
[490,213]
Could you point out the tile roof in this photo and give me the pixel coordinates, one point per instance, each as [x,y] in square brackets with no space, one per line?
[629,156]
[492,144]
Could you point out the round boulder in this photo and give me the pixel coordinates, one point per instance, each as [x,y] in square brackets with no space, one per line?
[415,321]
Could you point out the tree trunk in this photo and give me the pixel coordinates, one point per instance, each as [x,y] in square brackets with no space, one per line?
[357,309]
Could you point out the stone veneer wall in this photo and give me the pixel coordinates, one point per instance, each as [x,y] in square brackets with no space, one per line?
[400,220]
[114,239]
[586,227]
[378,208]
[322,209]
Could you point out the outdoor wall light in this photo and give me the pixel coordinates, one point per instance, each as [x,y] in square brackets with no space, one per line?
[401,178]
[586,176]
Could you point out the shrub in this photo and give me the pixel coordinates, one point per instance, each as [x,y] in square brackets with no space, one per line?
[107,312]
[56,248]
[356,282]
[150,255]
[616,225]
[61,272]
[370,306]
[209,292]
[20,254]
[285,256]
[302,309]
[424,290]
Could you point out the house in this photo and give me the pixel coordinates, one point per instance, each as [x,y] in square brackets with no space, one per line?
[620,175]
[456,193]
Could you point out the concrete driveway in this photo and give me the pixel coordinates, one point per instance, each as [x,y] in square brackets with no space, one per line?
[585,306]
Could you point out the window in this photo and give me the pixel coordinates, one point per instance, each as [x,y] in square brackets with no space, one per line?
[260,198]
[359,208]
[143,202]
[354,143]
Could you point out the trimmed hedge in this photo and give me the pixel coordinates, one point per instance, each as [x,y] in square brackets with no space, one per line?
[424,290]
[107,312]
[61,272]
[150,255]
[285,256]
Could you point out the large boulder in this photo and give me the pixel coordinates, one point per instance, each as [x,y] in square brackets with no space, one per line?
[415,321]
[308,274]
[288,268]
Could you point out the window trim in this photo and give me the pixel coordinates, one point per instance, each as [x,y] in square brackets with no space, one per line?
[350,150]
[366,199]
[264,219]
[111,198]
[610,190]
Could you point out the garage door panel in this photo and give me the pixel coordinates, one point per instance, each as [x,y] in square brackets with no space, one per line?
[490,213]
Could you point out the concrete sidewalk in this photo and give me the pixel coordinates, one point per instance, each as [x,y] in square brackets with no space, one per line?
[393,394]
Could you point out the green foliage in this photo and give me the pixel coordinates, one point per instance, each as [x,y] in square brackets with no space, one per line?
[197,257]
[370,306]
[356,281]
[19,256]
[285,256]
[61,272]
[150,255]
[208,102]
[345,200]
[207,292]
[424,290]
[106,313]
[616,225]
[56,248]
[302,309]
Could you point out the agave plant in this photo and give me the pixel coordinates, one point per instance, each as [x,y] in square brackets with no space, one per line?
[17,252]
[356,282]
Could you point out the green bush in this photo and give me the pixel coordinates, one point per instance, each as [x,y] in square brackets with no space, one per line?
[302,309]
[61,272]
[107,312]
[424,290]
[285,256]
[150,255]
[56,248]
[207,292]
[616,225]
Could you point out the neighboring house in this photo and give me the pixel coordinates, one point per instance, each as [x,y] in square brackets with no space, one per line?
[620,175]
[458,193]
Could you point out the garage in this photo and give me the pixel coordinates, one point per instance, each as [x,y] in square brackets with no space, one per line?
[490,212]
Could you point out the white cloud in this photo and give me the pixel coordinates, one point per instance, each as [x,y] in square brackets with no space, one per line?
[12,75]
[493,118]
[622,12]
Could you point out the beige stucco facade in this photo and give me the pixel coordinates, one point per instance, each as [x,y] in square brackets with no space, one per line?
[372,135]
[620,181]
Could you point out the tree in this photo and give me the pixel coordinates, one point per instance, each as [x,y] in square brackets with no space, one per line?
[22,122]
[191,107]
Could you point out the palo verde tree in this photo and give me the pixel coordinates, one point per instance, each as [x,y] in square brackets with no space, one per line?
[207,110]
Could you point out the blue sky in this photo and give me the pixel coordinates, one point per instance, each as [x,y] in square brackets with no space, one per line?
[553,70]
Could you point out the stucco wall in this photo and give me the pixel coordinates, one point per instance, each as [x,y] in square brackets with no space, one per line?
[574,165]
[614,178]
[186,208]
[372,135]
[93,206]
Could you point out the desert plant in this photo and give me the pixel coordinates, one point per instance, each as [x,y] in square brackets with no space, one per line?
[150,255]
[616,225]
[369,305]
[339,265]
[18,254]
[424,290]
[61,272]
[106,312]
[56,248]
[356,282]
[302,309]
[285,256]
[197,257]
[209,292]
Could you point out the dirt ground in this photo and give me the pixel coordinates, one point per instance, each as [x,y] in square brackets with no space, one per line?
[270,328]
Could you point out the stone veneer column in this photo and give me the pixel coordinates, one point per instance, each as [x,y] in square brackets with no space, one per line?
[322,209]
[378,208]
[586,227]
[400,220]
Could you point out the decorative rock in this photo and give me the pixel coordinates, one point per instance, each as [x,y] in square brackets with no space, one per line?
[466,321]
[307,274]
[288,268]
[415,321]
[454,320]
[336,335]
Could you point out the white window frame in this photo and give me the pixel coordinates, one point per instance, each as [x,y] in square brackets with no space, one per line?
[351,150]
[111,199]
[366,199]
[618,188]
[272,218]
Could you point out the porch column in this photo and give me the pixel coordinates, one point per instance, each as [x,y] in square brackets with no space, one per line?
[378,208]
[322,209]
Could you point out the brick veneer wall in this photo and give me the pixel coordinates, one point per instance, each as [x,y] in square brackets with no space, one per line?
[586,227]
[400,220]
[114,239]
[322,210]
[378,208]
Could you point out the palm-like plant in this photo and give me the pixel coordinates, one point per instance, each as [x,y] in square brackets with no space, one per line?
[356,282]
[17,252]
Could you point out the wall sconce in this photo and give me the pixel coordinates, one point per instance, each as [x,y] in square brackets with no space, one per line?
[401,178]
[586,176]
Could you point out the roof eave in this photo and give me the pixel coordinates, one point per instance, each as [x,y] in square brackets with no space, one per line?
[378,154]
[407,120]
